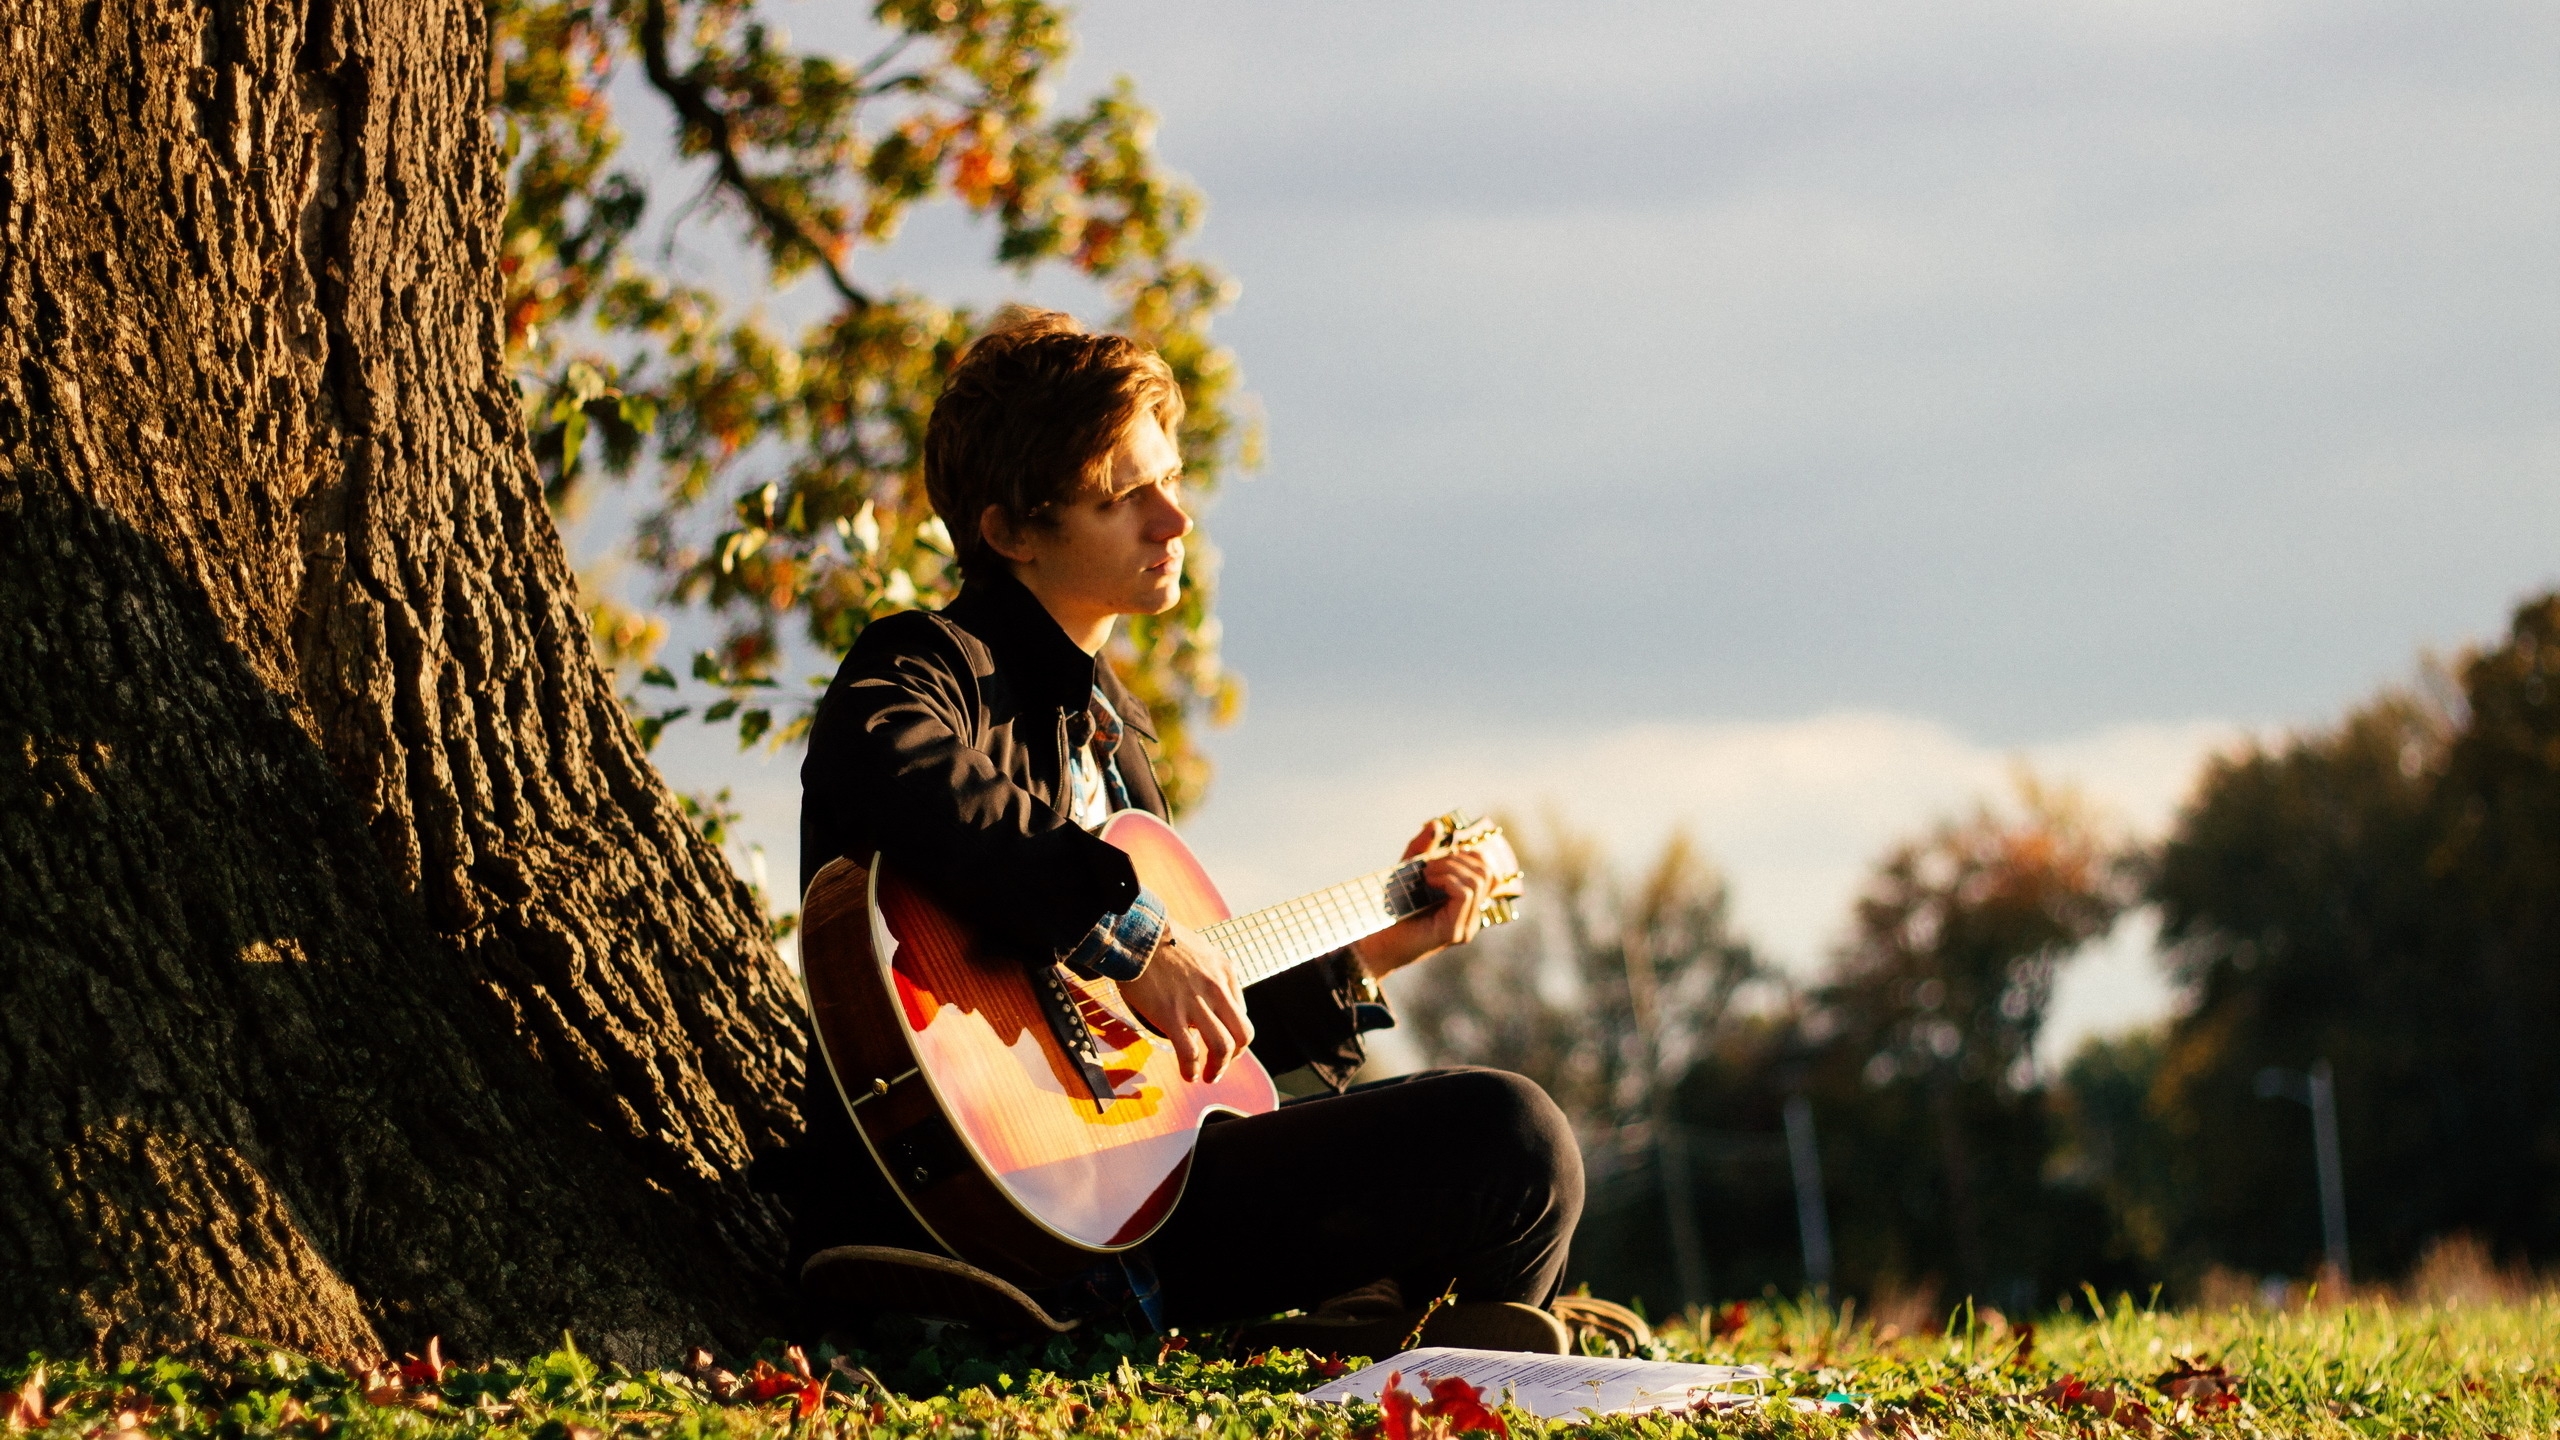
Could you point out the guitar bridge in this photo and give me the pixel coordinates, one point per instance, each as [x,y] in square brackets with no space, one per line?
[1067,1022]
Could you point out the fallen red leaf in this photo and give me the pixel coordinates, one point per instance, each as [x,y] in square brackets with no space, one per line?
[429,1371]
[1462,1405]
[2071,1392]
[1396,1422]
[2209,1388]
[1730,1321]
[1455,1408]
[26,1408]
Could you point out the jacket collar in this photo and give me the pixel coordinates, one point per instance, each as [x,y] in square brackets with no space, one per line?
[1051,671]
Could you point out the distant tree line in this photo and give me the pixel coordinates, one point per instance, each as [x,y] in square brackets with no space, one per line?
[2382,895]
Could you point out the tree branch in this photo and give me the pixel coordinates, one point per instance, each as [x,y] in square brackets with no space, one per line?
[694,106]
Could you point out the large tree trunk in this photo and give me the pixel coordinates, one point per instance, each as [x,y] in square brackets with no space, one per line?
[362,980]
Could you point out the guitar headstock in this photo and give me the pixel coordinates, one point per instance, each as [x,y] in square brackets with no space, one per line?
[1454,832]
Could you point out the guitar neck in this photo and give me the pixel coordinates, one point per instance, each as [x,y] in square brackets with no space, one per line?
[1262,943]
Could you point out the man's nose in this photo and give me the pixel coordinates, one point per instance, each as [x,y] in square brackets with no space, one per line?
[1169,521]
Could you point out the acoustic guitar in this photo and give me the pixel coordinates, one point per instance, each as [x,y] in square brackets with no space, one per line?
[1026,1116]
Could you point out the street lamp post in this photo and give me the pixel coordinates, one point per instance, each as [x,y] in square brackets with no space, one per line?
[1670,1146]
[2318,1088]
[1813,1224]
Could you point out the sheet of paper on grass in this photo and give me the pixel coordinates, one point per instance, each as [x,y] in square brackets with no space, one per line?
[1553,1387]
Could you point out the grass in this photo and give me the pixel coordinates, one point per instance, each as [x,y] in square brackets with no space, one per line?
[2373,1368]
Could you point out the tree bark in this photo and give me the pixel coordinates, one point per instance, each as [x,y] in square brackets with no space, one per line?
[362,980]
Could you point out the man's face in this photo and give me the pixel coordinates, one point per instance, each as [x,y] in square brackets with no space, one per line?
[1114,552]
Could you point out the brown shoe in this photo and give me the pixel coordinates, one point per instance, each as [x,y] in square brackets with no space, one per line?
[1473,1325]
[1617,1329]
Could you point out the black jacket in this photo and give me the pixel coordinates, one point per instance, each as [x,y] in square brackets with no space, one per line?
[942,745]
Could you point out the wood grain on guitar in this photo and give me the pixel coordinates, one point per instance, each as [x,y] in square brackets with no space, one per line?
[1029,1134]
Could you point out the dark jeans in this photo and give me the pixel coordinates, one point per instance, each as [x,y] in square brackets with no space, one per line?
[1466,1177]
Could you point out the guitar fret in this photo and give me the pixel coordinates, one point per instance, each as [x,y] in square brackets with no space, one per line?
[1262,943]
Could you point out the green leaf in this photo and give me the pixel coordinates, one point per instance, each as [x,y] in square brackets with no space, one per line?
[706,666]
[585,382]
[652,726]
[752,725]
[720,710]
[658,675]
[573,439]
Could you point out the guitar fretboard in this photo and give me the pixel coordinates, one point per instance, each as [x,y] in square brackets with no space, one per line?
[1262,943]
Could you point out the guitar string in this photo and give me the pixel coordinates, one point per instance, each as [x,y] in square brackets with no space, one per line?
[1283,936]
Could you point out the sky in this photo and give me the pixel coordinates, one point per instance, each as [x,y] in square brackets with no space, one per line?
[1781,421]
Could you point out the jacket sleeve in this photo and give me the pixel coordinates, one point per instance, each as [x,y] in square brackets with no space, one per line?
[1314,1016]
[891,747]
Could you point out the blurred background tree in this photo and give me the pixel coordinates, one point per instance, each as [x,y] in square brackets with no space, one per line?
[784,466]
[1551,999]
[1606,996]
[1920,1052]
[1915,1054]
[2380,895]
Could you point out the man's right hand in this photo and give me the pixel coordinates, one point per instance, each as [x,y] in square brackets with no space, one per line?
[1188,994]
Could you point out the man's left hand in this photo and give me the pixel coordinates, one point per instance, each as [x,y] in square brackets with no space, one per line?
[1465,883]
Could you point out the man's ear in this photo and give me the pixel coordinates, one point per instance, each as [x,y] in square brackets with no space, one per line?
[1001,536]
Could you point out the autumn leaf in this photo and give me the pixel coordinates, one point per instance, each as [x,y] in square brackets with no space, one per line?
[429,1371]
[1462,1406]
[1455,1408]
[2208,1388]
[2072,1393]
[26,1408]
[1730,1321]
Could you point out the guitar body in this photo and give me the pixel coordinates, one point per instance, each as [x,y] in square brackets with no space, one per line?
[985,1123]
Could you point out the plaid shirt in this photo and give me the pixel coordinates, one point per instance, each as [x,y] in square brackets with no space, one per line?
[1120,943]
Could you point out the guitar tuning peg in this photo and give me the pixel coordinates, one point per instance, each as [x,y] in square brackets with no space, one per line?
[1501,911]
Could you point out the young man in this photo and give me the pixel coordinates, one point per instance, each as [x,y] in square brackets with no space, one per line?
[981,746]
